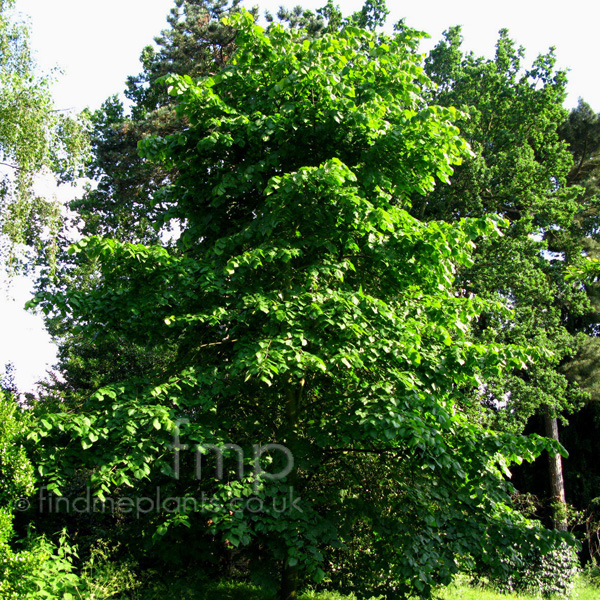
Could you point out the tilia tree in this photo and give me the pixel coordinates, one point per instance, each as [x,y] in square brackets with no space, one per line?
[311,311]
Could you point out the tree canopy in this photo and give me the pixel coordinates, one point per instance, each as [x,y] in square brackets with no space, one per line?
[304,307]
[521,169]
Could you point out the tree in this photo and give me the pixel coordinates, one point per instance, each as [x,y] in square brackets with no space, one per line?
[123,205]
[581,131]
[309,310]
[520,170]
[33,137]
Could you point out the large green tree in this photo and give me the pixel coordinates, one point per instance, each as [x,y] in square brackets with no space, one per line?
[311,311]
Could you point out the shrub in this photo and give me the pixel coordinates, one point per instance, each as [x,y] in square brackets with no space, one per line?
[542,574]
[42,570]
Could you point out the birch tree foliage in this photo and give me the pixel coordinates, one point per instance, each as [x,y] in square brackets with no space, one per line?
[35,137]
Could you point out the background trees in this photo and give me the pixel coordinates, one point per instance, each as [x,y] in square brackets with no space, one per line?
[522,170]
[123,204]
[33,137]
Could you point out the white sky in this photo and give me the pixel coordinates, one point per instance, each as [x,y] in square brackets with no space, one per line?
[97,45]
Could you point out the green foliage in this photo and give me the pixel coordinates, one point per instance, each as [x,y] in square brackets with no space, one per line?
[48,570]
[185,588]
[33,137]
[523,170]
[307,308]
[195,43]
[542,574]
[16,472]
[329,19]
[231,590]
[581,130]
[38,568]
[119,204]
[122,206]
[372,15]
[41,569]
[190,589]
[591,573]
[519,170]
[107,575]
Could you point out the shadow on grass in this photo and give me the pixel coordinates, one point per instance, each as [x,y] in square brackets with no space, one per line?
[229,590]
[224,590]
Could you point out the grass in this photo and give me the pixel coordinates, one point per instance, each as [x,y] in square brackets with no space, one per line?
[244,591]
[582,591]
[199,589]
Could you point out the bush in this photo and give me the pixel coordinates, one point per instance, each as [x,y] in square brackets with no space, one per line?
[552,573]
[42,570]
[47,570]
[104,576]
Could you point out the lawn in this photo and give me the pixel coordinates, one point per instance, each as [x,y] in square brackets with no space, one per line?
[583,591]
[240,591]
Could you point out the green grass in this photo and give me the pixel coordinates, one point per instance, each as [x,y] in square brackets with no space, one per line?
[244,591]
[583,591]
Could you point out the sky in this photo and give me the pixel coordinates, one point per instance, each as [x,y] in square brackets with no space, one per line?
[96,45]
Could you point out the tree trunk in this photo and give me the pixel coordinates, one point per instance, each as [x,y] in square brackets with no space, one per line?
[289,583]
[289,575]
[557,483]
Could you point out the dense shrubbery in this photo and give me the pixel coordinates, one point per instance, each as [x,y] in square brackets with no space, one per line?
[47,570]
[549,574]
[41,568]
